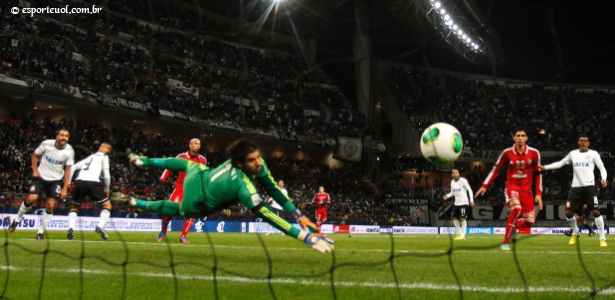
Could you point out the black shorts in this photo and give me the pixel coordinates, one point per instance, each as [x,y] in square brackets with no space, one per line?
[579,196]
[52,189]
[460,212]
[95,191]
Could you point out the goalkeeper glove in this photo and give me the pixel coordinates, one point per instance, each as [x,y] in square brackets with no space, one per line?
[304,222]
[319,242]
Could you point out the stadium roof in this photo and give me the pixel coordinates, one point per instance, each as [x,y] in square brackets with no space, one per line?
[558,41]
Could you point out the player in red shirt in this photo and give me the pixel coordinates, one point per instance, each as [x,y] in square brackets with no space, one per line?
[321,200]
[178,192]
[522,163]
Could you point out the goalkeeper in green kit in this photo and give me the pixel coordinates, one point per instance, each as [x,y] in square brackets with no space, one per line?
[207,191]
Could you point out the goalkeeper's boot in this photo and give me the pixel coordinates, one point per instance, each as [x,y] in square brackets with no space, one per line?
[568,232]
[603,243]
[505,247]
[120,197]
[13,226]
[573,240]
[161,236]
[71,234]
[102,232]
[134,159]
[183,239]
[40,236]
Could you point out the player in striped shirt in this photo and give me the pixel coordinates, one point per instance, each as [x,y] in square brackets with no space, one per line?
[522,164]
[211,190]
[583,189]
[178,193]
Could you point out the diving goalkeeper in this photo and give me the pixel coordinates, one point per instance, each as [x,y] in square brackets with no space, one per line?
[210,190]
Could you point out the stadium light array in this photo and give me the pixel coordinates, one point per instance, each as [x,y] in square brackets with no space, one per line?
[454,28]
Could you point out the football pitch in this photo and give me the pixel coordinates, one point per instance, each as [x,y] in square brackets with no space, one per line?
[135,266]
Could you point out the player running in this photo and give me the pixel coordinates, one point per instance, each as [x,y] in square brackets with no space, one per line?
[178,193]
[522,163]
[583,189]
[321,201]
[211,190]
[88,184]
[52,177]
[460,189]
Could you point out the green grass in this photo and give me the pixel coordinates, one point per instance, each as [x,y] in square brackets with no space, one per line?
[363,269]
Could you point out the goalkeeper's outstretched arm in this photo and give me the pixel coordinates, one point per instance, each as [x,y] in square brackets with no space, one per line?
[317,241]
[249,197]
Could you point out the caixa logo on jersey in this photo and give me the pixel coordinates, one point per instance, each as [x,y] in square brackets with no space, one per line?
[25,223]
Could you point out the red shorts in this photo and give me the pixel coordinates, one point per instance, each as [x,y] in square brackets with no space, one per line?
[321,214]
[177,196]
[525,198]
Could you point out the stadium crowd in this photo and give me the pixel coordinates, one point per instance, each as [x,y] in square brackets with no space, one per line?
[109,55]
[485,112]
[357,196]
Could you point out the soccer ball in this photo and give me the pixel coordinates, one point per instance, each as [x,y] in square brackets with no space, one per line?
[441,144]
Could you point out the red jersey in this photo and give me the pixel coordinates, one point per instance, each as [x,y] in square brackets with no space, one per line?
[321,200]
[521,169]
[179,184]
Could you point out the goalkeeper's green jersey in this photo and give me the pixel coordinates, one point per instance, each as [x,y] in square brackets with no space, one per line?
[210,190]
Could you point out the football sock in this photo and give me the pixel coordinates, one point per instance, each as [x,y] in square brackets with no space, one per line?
[573,224]
[46,218]
[600,225]
[23,209]
[524,222]
[464,225]
[72,219]
[104,217]
[187,225]
[515,212]
[456,223]
[165,223]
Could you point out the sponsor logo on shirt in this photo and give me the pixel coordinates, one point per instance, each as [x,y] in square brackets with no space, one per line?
[581,164]
[53,161]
